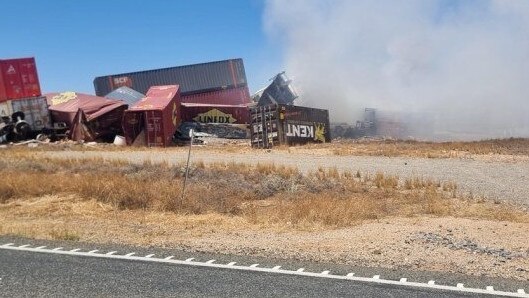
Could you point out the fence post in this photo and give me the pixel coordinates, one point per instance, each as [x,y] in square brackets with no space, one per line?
[192,135]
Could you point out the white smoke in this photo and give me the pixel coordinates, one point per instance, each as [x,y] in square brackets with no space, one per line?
[461,66]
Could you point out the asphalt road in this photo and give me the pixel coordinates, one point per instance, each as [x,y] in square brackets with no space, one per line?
[30,274]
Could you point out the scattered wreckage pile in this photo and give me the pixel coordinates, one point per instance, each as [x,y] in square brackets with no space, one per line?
[157,108]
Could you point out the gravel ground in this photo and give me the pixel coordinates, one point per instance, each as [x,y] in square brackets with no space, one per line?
[495,178]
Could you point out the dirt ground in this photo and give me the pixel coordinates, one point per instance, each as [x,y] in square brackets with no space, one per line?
[468,246]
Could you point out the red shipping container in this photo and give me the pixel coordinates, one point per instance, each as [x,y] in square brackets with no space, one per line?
[235,96]
[208,113]
[18,79]
[155,117]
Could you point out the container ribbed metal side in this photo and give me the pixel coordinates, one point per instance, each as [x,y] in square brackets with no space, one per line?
[273,125]
[194,78]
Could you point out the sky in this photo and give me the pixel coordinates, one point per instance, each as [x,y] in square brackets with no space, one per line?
[455,67]
[75,41]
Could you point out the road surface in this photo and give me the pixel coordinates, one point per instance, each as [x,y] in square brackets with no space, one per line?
[33,274]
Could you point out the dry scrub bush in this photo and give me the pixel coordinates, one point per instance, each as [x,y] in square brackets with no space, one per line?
[326,197]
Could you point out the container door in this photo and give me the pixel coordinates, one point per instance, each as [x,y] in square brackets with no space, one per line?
[29,78]
[264,127]
[12,81]
[154,125]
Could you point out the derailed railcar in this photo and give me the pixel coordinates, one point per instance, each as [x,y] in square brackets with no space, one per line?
[274,125]
[153,120]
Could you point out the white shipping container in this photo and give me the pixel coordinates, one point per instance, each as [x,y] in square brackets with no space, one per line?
[35,110]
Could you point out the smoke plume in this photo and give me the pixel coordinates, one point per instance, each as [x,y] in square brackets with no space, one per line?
[458,68]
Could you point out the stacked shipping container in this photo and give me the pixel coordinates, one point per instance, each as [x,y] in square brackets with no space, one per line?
[21,102]
[204,87]
[18,79]
[196,78]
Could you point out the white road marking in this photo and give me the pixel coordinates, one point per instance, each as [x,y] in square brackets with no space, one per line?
[111,253]
[276,267]
[521,291]
[300,270]
[490,288]
[75,249]
[169,257]
[431,282]
[460,285]
[232,263]
[8,244]
[25,245]
[376,276]
[325,272]
[254,268]
[40,247]
[190,259]
[149,256]
[130,254]
[404,279]
[93,251]
[350,274]
[57,248]
[210,262]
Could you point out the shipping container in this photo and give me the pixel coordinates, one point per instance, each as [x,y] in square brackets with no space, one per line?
[153,120]
[34,111]
[126,94]
[194,78]
[88,117]
[18,79]
[274,125]
[280,91]
[235,96]
[223,114]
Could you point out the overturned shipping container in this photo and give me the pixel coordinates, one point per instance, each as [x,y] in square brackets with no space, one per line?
[153,120]
[274,125]
[87,117]
[18,79]
[196,78]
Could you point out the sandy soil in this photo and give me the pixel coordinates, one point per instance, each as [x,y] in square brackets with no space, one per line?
[475,247]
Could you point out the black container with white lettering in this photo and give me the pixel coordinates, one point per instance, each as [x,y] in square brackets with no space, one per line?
[275,125]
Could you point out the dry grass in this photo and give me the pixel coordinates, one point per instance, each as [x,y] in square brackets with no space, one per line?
[518,147]
[392,148]
[265,194]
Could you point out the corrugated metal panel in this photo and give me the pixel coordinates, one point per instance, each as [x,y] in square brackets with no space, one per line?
[35,110]
[126,94]
[18,79]
[291,125]
[194,78]
[235,96]
[225,114]
[157,116]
